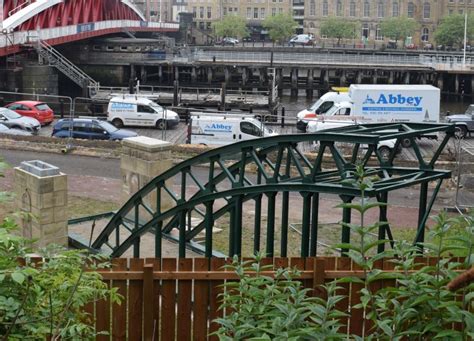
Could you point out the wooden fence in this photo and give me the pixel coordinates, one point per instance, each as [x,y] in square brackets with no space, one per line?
[177,299]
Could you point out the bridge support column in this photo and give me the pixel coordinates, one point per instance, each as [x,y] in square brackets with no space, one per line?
[226,75]
[41,190]
[456,84]
[359,77]
[326,78]
[294,82]
[176,73]
[472,84]
[244,76]
[279,81]
[209,75]
[407,78]
[440,82]
[375,77]
[262,75]
[160,73]
[342,79]
[309,83]
[143,74]
[193,75]
[390,77]
[142,159]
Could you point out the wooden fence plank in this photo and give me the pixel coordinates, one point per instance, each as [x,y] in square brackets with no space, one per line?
[119,311]
[319,269]
[201,302]
[135,303]
[149,330]
[102,312]
[280,263]
[309,266]
[214,298]
[344,263]
[184,301]
[156,262]
[357,318]
[168,303]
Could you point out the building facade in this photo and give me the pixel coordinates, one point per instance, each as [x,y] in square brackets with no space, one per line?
[370,13]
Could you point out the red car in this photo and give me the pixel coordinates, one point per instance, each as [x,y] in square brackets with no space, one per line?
[39,110]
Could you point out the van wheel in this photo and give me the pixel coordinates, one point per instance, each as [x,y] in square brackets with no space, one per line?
[460,132]
[117,122]
[161,124]
[406,143]
[384,152]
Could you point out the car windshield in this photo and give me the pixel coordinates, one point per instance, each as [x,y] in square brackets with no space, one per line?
[315,105]
[108,127]
[42,107]
[10,114]
[333,110]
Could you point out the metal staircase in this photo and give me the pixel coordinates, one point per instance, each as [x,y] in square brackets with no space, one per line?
[50,55]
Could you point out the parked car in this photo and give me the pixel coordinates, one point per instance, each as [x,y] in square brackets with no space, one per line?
[428,46]
[14,120]
[230,41]
[38,110]
[4,130]
[464,122]
[411,47]
[248,39]
[392,44]
[301,39]
[91,129]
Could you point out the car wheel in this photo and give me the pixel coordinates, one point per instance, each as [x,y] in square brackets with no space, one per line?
[406,143]
[117,122]
[460,132]
[161,124]
[384,152]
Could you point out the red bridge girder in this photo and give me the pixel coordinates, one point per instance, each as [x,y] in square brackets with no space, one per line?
[71,12]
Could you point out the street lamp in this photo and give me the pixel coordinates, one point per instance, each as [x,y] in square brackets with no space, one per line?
[465,39]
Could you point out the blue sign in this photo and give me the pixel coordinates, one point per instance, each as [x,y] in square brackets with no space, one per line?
[394,99]
[85,27]
[218,127]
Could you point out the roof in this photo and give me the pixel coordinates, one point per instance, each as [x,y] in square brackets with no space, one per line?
[391,87]
[27,102]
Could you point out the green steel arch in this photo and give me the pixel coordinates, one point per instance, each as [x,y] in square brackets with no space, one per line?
[272,168]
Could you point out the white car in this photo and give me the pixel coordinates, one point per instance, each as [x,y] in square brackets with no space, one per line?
[4,130]
[301,39]
[230,41]
[11,119]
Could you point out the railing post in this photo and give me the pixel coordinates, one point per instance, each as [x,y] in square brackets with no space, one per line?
[148,303]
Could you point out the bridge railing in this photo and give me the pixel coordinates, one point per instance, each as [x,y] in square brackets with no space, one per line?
[23,37]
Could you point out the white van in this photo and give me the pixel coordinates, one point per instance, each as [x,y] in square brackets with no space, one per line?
[321,106]
[139,111]
[208,129]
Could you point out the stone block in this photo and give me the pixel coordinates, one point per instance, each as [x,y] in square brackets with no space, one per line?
[43,215]
[54,228]
[60,182]
[45,200]
[60,214]
[60,199]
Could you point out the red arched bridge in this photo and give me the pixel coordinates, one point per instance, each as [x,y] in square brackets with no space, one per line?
[62,21]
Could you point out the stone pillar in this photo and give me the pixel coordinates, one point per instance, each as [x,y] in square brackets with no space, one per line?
[390,77]
[359,77]
[160,73]
[456,83]
[143,158]
[176,73]
[343,79]
[294,82]
[41,190]
[193,75]
[226,75]
[244,76]
[439,82]
[375,77]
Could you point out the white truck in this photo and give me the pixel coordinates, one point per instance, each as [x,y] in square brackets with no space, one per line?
[320,107]
[222,129]
[389,103]
[133,110]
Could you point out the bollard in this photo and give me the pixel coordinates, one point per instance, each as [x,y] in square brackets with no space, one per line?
[282,117]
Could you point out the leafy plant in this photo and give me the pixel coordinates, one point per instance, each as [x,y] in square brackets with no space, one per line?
[339,28]
[280,26]
[398,28]
[264,307]
[46,299]
[231,26]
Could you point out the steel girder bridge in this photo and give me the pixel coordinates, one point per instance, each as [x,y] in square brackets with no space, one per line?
[242,177]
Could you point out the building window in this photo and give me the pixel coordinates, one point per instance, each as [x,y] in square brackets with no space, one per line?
[366,9]
[225,10]
[255,13]
[249,13]
[201,12]
[194,12]
[395,9]
[311,25]
[325,8]
[274,11]
[365,31]
[378,34]
[411,10]
[262,13]
[352,9]
[426,10]
[280,11]
[339,8]
[425,34]
[312,8]
[381,9]
[209,12]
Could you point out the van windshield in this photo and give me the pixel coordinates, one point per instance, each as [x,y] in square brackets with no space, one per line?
[156,107]
[333,110]
[315,105]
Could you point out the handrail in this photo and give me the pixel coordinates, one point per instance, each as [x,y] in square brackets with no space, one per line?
[19,7]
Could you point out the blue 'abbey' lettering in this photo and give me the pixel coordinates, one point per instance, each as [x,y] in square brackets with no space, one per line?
[218,127]
[399,99]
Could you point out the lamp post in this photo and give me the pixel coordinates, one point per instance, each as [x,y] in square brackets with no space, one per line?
[465,40]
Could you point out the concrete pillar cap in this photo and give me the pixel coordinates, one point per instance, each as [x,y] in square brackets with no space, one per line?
[39,168]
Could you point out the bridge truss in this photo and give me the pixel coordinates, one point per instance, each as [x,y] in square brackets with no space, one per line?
[255,177]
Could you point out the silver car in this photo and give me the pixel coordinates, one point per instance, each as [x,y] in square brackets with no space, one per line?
[13,120]
[4,130]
